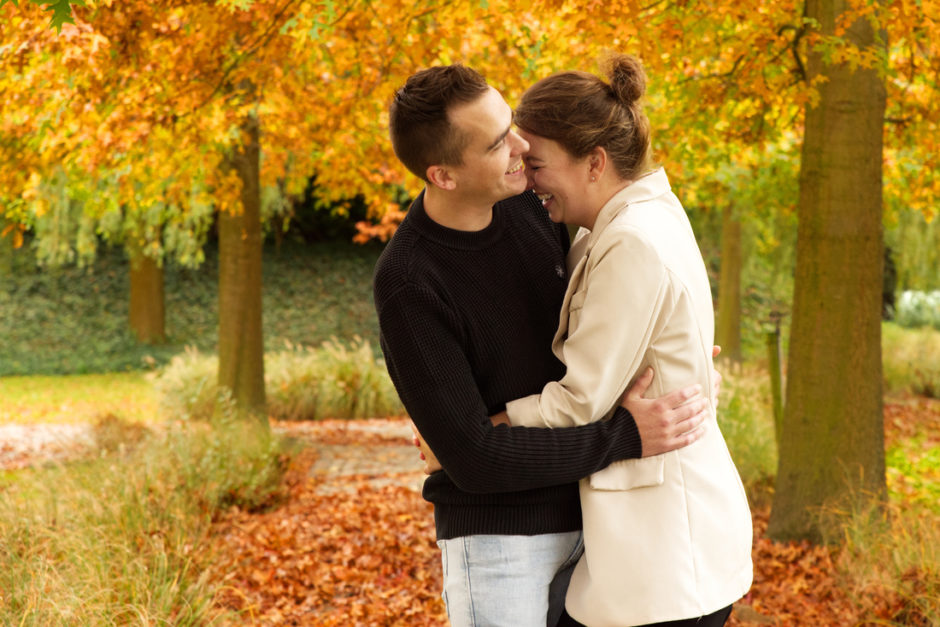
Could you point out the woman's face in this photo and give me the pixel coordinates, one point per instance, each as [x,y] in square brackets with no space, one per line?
[560,181]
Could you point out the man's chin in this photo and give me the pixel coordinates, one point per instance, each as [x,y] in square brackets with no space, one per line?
[515,190]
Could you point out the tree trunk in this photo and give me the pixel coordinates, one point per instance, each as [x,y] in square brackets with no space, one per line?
[147,303]
[832,445]
[241,346]
[728,327]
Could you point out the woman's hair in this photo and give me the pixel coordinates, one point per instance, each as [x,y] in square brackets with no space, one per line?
[419,123]
[582,112]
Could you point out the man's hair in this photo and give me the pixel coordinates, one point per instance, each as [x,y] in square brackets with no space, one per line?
[421,131]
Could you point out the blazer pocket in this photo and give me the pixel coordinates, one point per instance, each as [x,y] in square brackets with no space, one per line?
[628,474]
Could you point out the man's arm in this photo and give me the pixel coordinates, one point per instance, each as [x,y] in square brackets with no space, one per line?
[435,382]
[664,424]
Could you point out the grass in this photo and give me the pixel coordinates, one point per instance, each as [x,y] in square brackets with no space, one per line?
[898,547]
[911,359]
[913,469]
[745,415]
[78,398]
[124,538]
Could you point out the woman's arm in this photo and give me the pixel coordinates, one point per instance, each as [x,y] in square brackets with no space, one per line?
[629,294]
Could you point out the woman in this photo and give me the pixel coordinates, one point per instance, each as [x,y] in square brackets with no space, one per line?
[666,537]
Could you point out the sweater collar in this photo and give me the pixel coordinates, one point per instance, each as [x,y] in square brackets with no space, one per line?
[452,238]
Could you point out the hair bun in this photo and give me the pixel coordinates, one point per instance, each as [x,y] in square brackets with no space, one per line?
[627,78]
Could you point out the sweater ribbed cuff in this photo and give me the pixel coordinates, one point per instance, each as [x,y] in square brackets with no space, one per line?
[627,442]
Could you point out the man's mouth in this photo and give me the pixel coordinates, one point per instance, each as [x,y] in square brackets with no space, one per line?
[544,198]
[517,168]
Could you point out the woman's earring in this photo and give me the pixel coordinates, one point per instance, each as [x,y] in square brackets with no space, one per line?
[593,179]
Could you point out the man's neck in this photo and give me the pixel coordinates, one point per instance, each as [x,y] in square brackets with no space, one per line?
[456,212]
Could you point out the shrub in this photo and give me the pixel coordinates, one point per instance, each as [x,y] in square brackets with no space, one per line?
[918,309]
[187,386]
[122,539]
[911,360]
[335,380]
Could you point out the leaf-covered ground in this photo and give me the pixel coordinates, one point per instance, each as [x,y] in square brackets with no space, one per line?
[357,549]
[354,549]
[353,542]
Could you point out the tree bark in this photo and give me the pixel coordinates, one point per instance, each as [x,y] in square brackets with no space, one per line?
[728,327]
[832,444]
[241,346]
[147,302]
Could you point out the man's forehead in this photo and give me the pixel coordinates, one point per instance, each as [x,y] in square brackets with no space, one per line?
[488,116]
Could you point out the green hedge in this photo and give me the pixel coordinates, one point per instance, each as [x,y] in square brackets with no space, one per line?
[73,320]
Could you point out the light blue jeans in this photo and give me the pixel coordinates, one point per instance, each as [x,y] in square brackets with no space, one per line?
[517,581]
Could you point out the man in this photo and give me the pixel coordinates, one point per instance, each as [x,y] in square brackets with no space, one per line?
[468,294]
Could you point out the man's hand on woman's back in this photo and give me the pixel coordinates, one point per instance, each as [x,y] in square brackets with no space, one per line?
[669,422]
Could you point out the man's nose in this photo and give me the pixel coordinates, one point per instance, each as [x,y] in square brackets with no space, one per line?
[521,145]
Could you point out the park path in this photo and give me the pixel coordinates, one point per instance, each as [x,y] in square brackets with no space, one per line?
[377,452]
[34,444]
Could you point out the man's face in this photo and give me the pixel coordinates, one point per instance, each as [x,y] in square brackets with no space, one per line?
[492,167]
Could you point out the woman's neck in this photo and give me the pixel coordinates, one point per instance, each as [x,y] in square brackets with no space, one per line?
[606,188]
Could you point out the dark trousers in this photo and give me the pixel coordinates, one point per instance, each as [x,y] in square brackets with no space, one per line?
[712,620]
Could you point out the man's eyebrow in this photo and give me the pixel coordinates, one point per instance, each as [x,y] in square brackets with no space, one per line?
[502,135]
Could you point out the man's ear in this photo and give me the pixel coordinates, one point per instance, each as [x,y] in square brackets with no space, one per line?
[440,176]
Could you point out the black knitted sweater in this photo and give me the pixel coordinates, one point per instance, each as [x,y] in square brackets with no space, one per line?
[467,320]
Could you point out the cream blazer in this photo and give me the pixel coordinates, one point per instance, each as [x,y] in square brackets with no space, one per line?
[666,537]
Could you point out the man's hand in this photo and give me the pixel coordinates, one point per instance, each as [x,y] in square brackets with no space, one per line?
[426,454]
[669,422]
